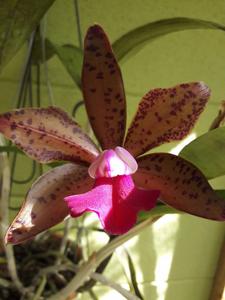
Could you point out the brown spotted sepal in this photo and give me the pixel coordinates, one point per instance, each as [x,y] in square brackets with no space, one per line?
[44,206]
[166,115]
[47,134]
[103,89]
[181,185]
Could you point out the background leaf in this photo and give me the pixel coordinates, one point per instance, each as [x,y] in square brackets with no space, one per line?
[221,193]
[207,152]
[37,51]
[133,276]
[72,59]
[159,210]
[131,42]
[18,18]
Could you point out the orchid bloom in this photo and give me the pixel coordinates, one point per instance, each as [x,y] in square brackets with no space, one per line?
[119,181]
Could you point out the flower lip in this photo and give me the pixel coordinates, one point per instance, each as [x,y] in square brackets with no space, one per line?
[111,163]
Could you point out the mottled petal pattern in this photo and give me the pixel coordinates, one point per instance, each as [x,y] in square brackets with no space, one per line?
[116,201]
[166,115]
[44,206]
[103,89]
[47,134]
[181,185]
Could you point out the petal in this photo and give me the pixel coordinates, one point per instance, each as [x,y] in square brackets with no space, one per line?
[166,115]
[103,89]
[44,206]
[116,201]
[127,158]
[111,163]
[47,134]
[181,185]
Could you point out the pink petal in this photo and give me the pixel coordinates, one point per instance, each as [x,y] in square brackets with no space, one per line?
[127,158]
[116,201]
[111,163]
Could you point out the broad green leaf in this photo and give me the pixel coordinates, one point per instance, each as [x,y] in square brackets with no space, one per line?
[44,206]
[181,185]
[40,49]
[47,134]
[131,42]
[207,152]
[166,115]
[18,18]
[72,59]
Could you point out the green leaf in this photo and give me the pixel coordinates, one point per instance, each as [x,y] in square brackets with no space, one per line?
[159,210]
[207,152]
[38,51]
[131,42]
[72,59]
[133,276]
[221,193]
[18,19]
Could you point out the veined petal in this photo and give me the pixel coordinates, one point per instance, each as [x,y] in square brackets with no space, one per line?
[44,206]
[103,89]
[181,185]
[47,134]
[116,201]
[166,115]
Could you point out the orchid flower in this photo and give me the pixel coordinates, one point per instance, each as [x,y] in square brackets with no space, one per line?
[117,181]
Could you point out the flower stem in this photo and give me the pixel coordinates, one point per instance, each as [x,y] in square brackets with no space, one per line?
[87,268]
[4,200]
[105,281]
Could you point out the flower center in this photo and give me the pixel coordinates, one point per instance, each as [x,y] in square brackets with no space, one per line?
[111,163]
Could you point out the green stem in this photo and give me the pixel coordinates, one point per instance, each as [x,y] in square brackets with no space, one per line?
[40,288]
[87,268]
[4,217]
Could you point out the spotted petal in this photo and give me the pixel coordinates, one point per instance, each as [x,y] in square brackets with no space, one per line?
[103,89]
[166,115]
[44,206]
[181,185]
[47,134]
[116,201]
